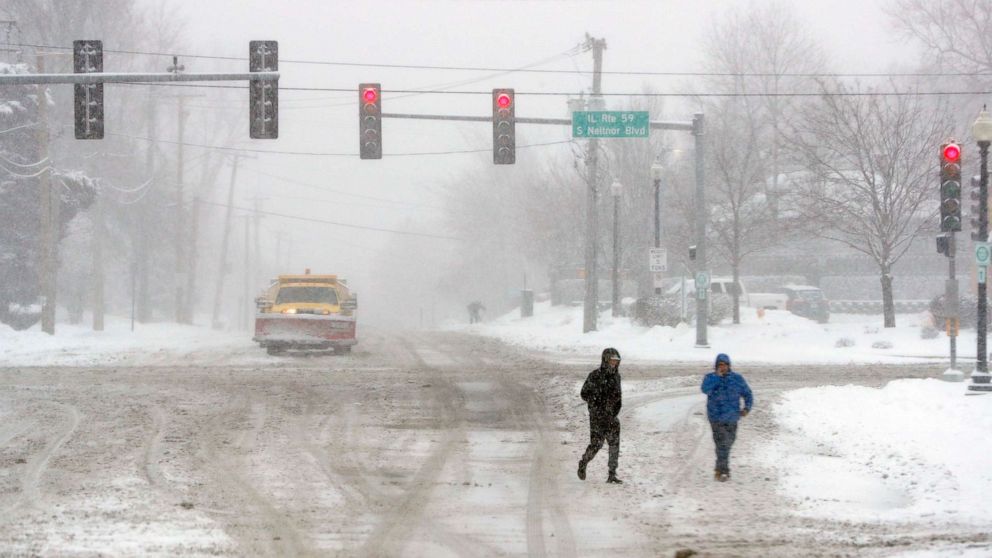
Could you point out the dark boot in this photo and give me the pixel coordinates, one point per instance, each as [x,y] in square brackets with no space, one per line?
[612,479]
[582,470]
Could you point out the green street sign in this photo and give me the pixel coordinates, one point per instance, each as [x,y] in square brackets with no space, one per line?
[702,284]
[982,254]
[610,124]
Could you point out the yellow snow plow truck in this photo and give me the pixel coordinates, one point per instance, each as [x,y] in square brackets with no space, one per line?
[310,312]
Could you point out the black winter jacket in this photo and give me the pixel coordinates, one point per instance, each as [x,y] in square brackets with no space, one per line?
[602,393]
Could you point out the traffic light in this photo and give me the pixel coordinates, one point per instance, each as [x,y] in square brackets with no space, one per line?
[370,120]
[950,187]
[87,58]
[944,244]
[976,209]
[504,128]
[692,252]
[263,95]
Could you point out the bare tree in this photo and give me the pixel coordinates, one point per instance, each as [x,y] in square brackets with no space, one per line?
[956,34]
[870,159]
[752,51]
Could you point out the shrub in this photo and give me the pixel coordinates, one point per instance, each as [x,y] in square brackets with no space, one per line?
[844,342]
[967,311]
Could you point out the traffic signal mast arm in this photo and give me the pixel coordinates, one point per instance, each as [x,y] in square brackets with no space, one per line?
[655,124]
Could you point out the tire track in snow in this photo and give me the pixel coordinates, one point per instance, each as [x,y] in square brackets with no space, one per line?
[38,463]
[278,537]
[392,533]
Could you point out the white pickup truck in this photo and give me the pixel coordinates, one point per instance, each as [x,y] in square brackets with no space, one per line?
[727,286]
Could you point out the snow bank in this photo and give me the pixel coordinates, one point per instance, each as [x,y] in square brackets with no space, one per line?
[915,448]
[149,344]
[779,337]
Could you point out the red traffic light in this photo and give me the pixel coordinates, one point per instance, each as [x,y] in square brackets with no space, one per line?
[370,95]
[952,152]
[503,100]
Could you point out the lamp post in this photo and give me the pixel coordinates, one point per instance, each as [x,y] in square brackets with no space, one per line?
[656,170]
[982,131]
[616,189]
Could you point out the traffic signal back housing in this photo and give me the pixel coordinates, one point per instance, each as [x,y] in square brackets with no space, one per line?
[263,96]
[87,58]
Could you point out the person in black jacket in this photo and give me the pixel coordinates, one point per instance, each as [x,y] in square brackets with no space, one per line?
[602,393]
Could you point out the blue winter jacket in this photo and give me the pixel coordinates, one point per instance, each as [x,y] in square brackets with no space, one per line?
[724,393]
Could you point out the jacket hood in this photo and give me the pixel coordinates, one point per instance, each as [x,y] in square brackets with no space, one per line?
[722,357]
[608,353]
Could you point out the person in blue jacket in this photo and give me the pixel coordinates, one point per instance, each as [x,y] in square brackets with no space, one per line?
[724,390]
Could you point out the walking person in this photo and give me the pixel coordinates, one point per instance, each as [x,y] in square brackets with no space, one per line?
[724,390]
[475,309]
[601,392]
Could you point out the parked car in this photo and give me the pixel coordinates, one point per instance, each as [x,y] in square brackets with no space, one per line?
[806,301]
[727,286]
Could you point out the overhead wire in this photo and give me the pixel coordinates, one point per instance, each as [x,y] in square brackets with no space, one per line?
[19,175]
[330,154]
[327,222]
[672,73]
[22,126]
[677,94]
[22,165]
[334,191]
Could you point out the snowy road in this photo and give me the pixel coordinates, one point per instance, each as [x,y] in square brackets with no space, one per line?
[433,444]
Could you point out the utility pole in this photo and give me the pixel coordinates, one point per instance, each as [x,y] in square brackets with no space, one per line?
[616,189]
[225,239]
[98,233]
[191,263]
[143,299]
[179,281]
[257,237]
[49,214]
[591,307]
[247,275]
[702,273]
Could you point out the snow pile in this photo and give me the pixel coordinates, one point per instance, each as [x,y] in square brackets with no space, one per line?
[778,337]
[915,448]
[149,344]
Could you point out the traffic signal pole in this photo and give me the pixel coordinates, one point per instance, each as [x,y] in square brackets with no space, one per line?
[980,377]
[702,304]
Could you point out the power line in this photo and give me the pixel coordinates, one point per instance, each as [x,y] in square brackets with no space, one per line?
[537,70]
[330,154]
[339,192]
[336,223]
[678,94]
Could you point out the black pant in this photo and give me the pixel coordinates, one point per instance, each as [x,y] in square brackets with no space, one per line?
[724,434]
[604,429]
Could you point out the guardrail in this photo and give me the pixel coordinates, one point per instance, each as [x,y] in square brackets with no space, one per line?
[875,306]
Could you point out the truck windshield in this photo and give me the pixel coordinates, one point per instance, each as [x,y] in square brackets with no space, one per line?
[313,295]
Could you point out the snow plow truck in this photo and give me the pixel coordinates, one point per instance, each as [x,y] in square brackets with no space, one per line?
[308,312]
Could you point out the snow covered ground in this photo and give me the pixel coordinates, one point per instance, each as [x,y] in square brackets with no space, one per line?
[913,449]
[148,344]
[779,337]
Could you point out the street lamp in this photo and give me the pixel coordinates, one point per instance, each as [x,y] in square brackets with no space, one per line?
[656,170]
[982,131]
[616,189]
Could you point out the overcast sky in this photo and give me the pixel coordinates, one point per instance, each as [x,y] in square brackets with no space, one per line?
[651,35]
